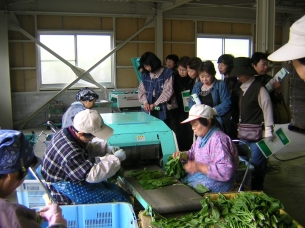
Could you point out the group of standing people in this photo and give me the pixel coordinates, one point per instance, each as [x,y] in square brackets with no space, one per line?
[241,97]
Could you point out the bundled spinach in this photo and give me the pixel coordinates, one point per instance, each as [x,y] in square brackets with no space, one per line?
[151,179]
[174,166]
[247,209]
[157,183]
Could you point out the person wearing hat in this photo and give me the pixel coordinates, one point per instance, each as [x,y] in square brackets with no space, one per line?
[16,156]
[74,172]
[213,157]
[294,51]
[255,107]
[85,99]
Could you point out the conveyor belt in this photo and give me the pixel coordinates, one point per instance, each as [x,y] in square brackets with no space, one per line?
[169,199]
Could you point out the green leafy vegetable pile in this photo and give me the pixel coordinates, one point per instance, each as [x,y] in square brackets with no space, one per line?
[246,209]
[174,166]
[151,179]
[156,183]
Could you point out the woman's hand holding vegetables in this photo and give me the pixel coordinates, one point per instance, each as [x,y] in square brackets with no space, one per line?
[176,154]
[52,214]
[194,167]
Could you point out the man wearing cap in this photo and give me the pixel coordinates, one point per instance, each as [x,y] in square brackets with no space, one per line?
[85,98]
[73,168]
[255,107]
[213,158]
[16,156]
[294,50]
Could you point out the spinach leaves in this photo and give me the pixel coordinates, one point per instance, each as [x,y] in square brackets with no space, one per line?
[151,179]
[246,209]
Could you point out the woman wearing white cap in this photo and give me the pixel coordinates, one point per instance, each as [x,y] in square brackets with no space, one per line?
[77,174]
[213,158]
[294,50]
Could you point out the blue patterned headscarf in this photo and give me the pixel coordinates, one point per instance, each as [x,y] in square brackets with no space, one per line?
[86,94]
[16,152]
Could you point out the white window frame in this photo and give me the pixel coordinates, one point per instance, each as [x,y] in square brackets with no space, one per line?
[223,37]
[108,84]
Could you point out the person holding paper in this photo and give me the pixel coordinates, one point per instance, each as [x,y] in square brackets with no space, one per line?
[212,92]
[255,108]
[281,113]
[294,51]
[182,82]
[260,65]
[192,70]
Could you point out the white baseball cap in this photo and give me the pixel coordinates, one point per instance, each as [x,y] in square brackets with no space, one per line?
[295,48]
[199,111]
[90,121]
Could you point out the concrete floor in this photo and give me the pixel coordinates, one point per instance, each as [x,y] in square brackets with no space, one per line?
[285,179]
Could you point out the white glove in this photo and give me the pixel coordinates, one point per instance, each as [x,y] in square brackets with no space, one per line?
[120,154]
[111,149]
[106,167]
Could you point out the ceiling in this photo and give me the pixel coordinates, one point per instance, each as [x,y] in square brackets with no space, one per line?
[223,10]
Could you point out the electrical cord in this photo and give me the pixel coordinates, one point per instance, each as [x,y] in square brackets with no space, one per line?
[290,159]
[275,169]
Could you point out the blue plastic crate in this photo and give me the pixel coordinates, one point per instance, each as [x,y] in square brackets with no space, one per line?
[105,215]
[30,192]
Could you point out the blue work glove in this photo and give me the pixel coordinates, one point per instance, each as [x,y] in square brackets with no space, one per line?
[120,154]
[111,149]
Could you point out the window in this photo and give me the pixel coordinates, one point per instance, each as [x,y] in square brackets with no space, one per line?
[82,50]
[211,47]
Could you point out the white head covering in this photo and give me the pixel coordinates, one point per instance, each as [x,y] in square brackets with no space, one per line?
[199,111]
[295,48]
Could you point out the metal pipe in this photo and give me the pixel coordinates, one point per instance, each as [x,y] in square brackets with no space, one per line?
[53,127]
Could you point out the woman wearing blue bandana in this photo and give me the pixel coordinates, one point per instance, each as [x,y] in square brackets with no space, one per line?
[213,158]
[16,156]
[85,99]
